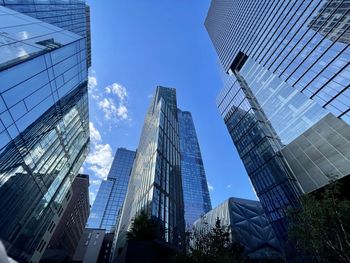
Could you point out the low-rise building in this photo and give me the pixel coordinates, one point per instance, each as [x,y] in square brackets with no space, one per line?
[248,226]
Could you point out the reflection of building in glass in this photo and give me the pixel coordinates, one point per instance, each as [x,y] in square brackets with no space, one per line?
[155,184]
[67,234]
[283,41]
[111,194]
[194,182]
[89,246]
[287,85]
[247,224]
[71,15]
[44,132]
[331,22]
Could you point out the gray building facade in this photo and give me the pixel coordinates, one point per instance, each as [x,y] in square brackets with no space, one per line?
[286,98]
[194,182]
[44,133]
[89,246]
[110,197]
[247,224]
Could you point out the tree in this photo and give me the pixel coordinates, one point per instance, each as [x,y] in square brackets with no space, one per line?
[212,244]
[143,228]
[320,226]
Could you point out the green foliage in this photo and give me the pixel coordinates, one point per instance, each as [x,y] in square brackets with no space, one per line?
[320,227]
[143,228]
[212,245]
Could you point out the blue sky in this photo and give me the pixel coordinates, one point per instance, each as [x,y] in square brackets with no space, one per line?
[137,45]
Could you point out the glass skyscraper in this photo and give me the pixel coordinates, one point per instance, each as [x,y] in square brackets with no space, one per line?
[44,133]
[155,184]
[71,15]
[194,182]
[109,201]
[286,98]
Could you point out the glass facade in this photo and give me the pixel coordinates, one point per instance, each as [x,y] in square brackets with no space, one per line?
[303,42]
[44,133]
[194,182]
[259,148]
[71,15]
[111,195]
[155,184]
[286,99]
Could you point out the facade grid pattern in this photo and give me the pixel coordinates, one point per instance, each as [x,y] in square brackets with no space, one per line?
[288,65]
[111,195]
[44,133]
[304,42]
[155,184]
[194,182]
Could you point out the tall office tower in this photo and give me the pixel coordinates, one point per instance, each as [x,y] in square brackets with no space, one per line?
[44,131]
[286,99]
[70,228]
[71,15]
[155,184]
[109,201]
[194,182]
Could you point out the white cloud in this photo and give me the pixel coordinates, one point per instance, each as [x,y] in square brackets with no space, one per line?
[210,187]
[94,133]
[96,182]
[118,90]
[81,170]
[92,82]
[109,108]
[229,186]
[100,160]
[112,111]
[100,157]
[122,112]
[113,100]
[92,85]
[95,96]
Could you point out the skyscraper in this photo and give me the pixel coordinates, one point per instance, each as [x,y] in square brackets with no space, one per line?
[155,184]
[107,207]
[71,226]
[194,182]
[286,99]
[44,133]
[71,15]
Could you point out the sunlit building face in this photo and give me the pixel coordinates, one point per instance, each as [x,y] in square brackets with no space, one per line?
[286,100]
[44,134]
